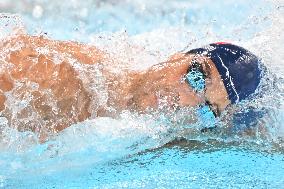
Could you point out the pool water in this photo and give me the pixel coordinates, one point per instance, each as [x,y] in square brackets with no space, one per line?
[188,165]
[143,151]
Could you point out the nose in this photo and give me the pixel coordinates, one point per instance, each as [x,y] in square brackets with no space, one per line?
[214,108]
[192,98]
[188,97]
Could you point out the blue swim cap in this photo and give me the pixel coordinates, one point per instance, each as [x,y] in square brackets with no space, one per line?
[238,68]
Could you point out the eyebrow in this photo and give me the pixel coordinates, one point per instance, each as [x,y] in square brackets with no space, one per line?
[204,64]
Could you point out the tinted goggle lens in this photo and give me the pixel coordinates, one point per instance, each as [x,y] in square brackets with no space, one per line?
[196,79]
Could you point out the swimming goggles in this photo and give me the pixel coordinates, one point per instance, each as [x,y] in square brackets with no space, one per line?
[196,79]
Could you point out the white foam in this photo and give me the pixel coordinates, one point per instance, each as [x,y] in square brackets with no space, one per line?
[176,26]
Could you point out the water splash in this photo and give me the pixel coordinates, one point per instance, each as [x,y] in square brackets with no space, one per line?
[177,26]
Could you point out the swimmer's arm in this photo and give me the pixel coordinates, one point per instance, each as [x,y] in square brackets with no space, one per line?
[48,63]
[32,46]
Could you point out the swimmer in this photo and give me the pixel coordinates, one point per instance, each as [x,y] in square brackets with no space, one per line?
[41,88]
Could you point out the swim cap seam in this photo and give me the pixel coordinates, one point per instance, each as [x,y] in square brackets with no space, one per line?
[230,78]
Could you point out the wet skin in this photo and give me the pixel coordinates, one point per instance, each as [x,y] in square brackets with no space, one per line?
[62,97]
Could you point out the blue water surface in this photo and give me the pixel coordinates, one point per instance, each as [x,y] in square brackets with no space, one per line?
[187,165]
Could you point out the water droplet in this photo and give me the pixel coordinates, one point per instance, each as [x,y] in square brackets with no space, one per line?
[37,11]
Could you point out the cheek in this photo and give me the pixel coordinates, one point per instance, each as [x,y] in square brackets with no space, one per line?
[216,93]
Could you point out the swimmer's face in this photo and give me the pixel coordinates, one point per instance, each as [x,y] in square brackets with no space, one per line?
[166,83]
